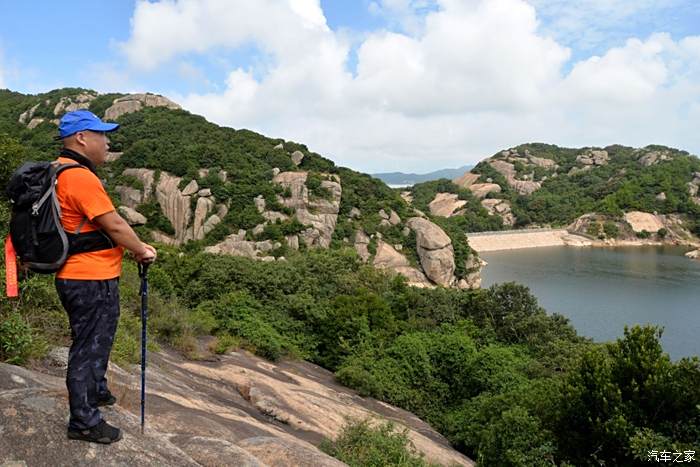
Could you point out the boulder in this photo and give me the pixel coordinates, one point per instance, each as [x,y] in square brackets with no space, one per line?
[297,157]
[466,180]
[292,242]
[355,213]
[480,190]
[394,218]
[131,216]
[445,204]
[383,214]
[129,196]
[435,251]
[388,258]
[407,196]
[191,188]
[640,221]
[204,192]
[279,146]
[35,122]
[204,206]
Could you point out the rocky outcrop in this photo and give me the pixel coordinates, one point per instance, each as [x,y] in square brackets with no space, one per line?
[480,190]
[695,254]
[297,157]
[321,215]
[694,186]
[65,104]
[136,102]
[648,158]
[500,207]
[174,204]
[473,266]
[239,410]
[388,258]
[522,186]
[361,245]
[237,245]
[407,197]
[640,221]
[466,180]
[593,157]
[445,204]
[71,103]
[435,251]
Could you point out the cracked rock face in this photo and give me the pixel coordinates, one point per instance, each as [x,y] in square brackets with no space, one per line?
[320,215]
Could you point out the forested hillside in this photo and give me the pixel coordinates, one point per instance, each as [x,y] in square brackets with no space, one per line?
[506,382]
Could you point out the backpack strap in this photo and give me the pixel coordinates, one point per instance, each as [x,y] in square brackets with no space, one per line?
[78,242]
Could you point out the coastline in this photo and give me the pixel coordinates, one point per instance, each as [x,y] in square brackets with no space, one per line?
[524,239]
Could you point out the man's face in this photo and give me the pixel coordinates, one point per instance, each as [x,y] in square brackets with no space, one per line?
[96,145]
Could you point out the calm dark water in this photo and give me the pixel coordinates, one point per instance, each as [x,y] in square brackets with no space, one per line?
[601,290]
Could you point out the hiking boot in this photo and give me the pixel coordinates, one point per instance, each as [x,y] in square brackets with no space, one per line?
[107,399]
[102,433]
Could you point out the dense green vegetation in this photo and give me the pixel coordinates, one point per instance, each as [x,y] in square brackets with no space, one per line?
[361,444]
[505,382]
[623,184]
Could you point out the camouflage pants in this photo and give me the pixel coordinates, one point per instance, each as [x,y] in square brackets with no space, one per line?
[93,312]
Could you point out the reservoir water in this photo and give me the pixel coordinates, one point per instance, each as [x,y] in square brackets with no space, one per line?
[603,289]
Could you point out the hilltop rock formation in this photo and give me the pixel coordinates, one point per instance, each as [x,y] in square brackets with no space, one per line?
[64,104]
[239,410]
[135,102]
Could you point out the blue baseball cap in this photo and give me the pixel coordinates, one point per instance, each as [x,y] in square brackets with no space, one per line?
[81,120]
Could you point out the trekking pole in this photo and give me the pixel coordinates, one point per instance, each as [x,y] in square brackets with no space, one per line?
[143,270]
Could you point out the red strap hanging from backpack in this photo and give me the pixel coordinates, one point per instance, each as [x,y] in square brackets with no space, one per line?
[10,269]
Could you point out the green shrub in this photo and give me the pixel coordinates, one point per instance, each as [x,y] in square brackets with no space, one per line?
[362,443]
[16,339]
[611,229]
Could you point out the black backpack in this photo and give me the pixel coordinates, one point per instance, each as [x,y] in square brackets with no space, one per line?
[37,234]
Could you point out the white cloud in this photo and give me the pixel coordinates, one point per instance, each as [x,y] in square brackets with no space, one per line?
[479,76]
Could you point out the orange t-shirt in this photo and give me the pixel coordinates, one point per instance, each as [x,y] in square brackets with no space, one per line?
[81,194]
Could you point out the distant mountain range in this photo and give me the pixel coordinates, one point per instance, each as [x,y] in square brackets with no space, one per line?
[400,178]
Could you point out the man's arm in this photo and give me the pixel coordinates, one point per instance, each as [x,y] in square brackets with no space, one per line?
[122,233]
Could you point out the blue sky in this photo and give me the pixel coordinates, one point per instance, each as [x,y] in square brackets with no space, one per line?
[410,84]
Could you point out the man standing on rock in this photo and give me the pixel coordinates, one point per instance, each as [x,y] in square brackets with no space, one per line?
[88,283]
